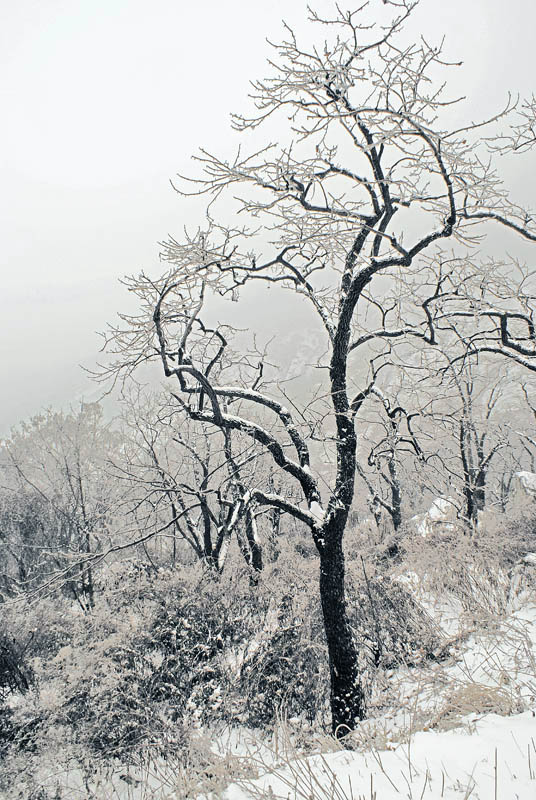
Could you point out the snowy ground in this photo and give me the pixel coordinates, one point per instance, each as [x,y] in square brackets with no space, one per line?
[461,728]
[430,747]
[490,758]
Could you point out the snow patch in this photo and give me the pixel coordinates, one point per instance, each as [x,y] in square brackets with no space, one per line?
[442,515]
[317,511]
[492,757]
[523,486]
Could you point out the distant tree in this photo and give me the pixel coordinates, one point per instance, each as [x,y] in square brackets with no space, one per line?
[57,499]
[389,447]
[367,182]
[26,524]
[188,474]
[474,422]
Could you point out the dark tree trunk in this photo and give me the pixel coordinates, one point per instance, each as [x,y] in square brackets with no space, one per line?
[475,496]
[255,548]
[396,494]
[88,585]
[347,695]
[211,561]
[208,549]
[480,493]
[474,476]
[275,517]
[251,548]
[469,502]
[468,472]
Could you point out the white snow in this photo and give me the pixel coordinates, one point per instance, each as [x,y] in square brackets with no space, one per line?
[483,756]
[442,508]
[492,757]
[317,511]
[441,515]
[523,486]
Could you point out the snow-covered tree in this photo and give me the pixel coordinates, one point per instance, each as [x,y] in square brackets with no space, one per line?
[372,177]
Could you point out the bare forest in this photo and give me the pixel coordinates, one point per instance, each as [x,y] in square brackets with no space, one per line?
[265,533]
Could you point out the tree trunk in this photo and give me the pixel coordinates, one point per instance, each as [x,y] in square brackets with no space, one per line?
[396,494]
[479,493]
[347,695]
[475,496]
[88,585]
[255,548]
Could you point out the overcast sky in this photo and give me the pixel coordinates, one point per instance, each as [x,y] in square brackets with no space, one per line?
[103,102]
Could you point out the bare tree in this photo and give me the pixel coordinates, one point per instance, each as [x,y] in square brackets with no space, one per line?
[365,183]
[57,498]
[477,444]
[390,439]
[188,474]
[463,421]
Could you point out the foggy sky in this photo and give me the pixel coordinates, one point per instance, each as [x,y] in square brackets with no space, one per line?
[103,102]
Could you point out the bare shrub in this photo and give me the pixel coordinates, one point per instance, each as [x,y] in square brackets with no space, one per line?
[477,567]
[394,628]
[15,673]
[285,668]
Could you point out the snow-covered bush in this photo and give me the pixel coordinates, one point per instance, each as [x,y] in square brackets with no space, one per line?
[37,625]
[155,659]
[146,664]
[21,638]
[166,653]
[389,621]
[477,567]
[284,669]
[15,673]
[193,638]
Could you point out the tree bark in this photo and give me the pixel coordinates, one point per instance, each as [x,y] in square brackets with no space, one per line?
[347,695]
[255,548]
[396,494]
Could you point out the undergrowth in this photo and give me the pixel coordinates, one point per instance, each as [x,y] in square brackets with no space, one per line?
[166,655]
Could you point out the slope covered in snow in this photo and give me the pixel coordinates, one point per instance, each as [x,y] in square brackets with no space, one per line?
[488,758]
[429,748]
